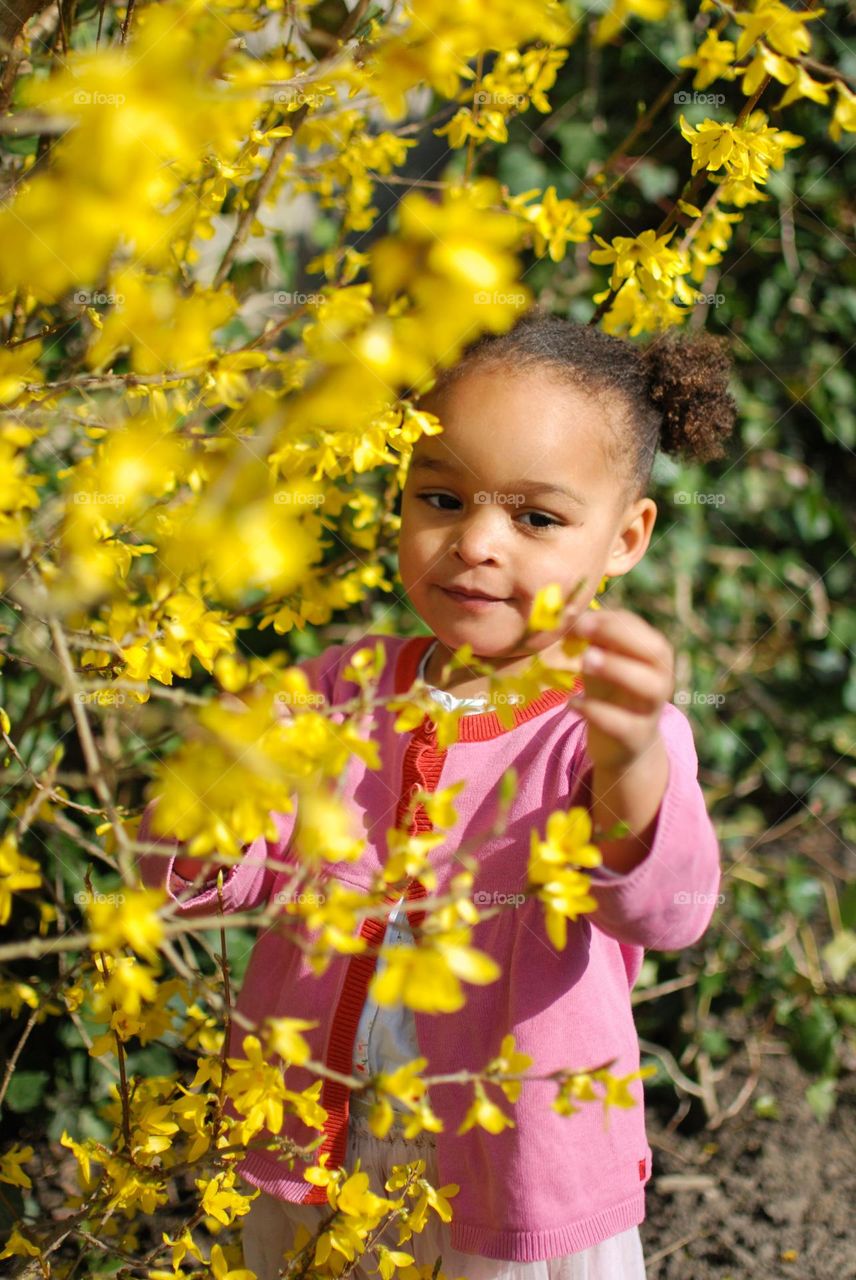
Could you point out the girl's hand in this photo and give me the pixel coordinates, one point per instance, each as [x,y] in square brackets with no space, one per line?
[189,869]
[628,672]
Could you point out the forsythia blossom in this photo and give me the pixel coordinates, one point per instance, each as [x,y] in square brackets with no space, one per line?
[745,152]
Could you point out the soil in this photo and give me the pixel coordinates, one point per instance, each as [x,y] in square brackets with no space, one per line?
[766,1199]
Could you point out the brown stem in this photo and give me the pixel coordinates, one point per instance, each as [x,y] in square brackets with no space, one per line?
[14,16]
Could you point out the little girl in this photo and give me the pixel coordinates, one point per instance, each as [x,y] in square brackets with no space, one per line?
[539,475]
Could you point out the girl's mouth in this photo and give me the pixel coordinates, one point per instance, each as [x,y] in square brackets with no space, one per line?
[475,604]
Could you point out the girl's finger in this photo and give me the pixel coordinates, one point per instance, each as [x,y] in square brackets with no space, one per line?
[616,722]
[624,681]
[624,632]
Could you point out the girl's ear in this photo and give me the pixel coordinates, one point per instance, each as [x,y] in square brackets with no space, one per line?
[633,537]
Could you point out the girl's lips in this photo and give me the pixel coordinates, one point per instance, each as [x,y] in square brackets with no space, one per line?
[475,603]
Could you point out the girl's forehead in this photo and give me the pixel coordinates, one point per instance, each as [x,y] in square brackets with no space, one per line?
[532,424]
[534,394]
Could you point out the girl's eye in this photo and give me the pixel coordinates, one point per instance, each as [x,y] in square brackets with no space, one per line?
[539,515]
[426,497]
[536,515]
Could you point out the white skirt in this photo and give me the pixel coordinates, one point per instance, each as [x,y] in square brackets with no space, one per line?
[269,1226]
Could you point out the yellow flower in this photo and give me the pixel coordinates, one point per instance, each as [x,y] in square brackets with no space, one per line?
[465,124]
[284,1038]
[484,1113]
[10,1167]
[85,1153]
[130,984]
[220,1200]
[221,1270]
[181,1246]
[15,994]
[404,1083]
[326,829]
[426,977]
[562,889]
[190,1110]
[17,872]
[355,1199]
[557,223]
[741,151]
[781,27]
[713,60]
[18,1246]
[844,115]
[133,922]
[256,1087]
[621,10]
[568,841]
[389,1260]
[509,1062]
[438,804]
[617,1092]
[649,275]
[547,608]
[153,1130]
[577,1087]
[766,63]
[803,86]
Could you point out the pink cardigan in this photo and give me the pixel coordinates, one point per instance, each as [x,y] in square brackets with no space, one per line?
[552,1185]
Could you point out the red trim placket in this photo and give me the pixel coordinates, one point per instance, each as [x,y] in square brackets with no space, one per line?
[421,770]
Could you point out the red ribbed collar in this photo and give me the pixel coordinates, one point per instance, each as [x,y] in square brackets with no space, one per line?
[484,724]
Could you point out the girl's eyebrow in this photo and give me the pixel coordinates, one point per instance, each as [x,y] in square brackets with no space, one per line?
[527,486]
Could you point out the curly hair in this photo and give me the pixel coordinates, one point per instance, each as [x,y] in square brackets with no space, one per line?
[671,394]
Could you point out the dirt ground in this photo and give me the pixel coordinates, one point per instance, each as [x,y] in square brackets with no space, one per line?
[756,1199]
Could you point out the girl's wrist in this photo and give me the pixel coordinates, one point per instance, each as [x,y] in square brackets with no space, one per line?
[193,869]
[632,795]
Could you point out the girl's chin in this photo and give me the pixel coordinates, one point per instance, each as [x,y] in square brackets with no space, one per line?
[500,646]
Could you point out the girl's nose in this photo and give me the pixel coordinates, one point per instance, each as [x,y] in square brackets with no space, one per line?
[479,536]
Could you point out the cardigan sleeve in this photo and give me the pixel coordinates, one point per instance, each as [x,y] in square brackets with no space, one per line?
[248,882]
[667,900]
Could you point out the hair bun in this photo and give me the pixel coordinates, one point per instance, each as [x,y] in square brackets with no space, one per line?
[687,380]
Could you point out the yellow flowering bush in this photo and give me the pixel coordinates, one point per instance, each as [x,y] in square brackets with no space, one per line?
[180,459]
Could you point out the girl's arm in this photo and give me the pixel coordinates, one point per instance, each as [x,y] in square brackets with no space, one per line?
[667,900]
[247,882]
[644,771]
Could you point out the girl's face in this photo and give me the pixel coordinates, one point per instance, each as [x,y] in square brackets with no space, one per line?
[515,493]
